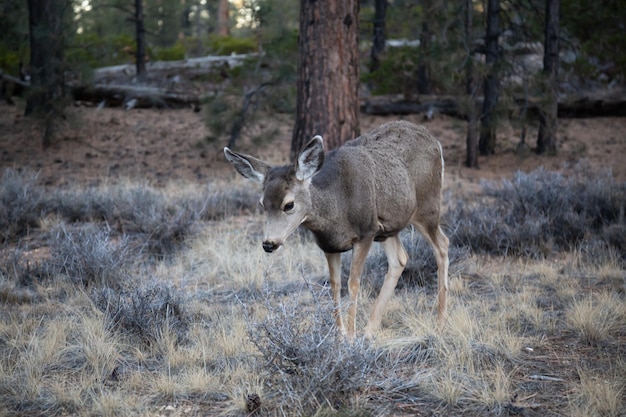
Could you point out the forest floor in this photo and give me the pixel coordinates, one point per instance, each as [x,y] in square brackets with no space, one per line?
[511,315]
[96,145]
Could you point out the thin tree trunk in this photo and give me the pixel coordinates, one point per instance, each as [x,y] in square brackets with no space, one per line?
[546,140]
[328,73]
[45,23]
[423,68]
[379,35]
[487,142]
[470,90]
[140,33]
[222,18]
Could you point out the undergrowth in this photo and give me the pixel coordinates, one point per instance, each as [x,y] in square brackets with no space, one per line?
[540,213]
[112,303]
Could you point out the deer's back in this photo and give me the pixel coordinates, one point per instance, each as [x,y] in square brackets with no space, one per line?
[383,175]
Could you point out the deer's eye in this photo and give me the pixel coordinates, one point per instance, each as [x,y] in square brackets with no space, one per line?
[289,206]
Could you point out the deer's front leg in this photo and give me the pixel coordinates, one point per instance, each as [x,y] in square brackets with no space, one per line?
[396,260]
[334,269]
[359,253]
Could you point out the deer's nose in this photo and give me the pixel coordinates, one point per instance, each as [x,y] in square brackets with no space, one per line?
[269,246]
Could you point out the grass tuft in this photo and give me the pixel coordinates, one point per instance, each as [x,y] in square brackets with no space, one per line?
[599,395]
[597,317]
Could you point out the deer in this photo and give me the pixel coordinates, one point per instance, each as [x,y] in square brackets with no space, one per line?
[367,190]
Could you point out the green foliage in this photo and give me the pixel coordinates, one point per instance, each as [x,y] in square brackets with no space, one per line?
[176,52]
[599,27]
[396,74]
[265,83]
[97,51]
[10,58]
[14,36]
[227,45]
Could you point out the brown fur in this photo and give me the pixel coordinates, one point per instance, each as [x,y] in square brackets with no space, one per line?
[367,190]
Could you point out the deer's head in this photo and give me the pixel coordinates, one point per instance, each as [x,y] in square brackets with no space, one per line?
[286,197]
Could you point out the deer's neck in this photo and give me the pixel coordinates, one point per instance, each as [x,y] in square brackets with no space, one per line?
[328,219]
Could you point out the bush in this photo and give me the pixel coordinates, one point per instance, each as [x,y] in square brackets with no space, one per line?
[396,74]
[90,256]
[175,52]
[145,311]
[20,204]
[227,45]
[537,213]
[146,214]
[307,360]
[98,51]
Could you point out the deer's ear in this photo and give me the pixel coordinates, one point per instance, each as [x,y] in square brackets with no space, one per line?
[248,166]
[310,159]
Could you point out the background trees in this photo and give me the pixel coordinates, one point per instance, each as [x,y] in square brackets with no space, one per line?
[46,24]
[487,141]
[404,47]
[546,141]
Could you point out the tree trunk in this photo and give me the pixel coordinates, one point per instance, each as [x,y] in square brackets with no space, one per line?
[222,18]
[423,68]
[45,24]
[546,140]
[487,142]
[379,35]
[470,90]
[140,55]
[328,73]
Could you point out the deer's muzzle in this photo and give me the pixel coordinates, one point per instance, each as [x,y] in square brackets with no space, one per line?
[269,246]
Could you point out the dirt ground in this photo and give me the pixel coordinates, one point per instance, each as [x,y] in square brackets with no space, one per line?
[97,145]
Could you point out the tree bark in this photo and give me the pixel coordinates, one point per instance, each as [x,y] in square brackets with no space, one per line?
[546,140]
[222,18]
[487,142]
[379,35]
[140,33]
[328,73]
[45,23]
[423,68]
[471,139]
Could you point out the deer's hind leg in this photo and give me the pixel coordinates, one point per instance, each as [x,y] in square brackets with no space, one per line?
[396,260]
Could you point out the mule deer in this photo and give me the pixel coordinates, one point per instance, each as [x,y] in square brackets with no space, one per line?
[367,190]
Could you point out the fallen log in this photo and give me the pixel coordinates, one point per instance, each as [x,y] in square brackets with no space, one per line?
[602,104]
[388,105]
[188,66]
[132,96]
[594,105]
[11,86]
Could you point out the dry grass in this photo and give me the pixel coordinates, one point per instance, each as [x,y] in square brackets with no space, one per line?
[597,317]
[599,394]
[218,327]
